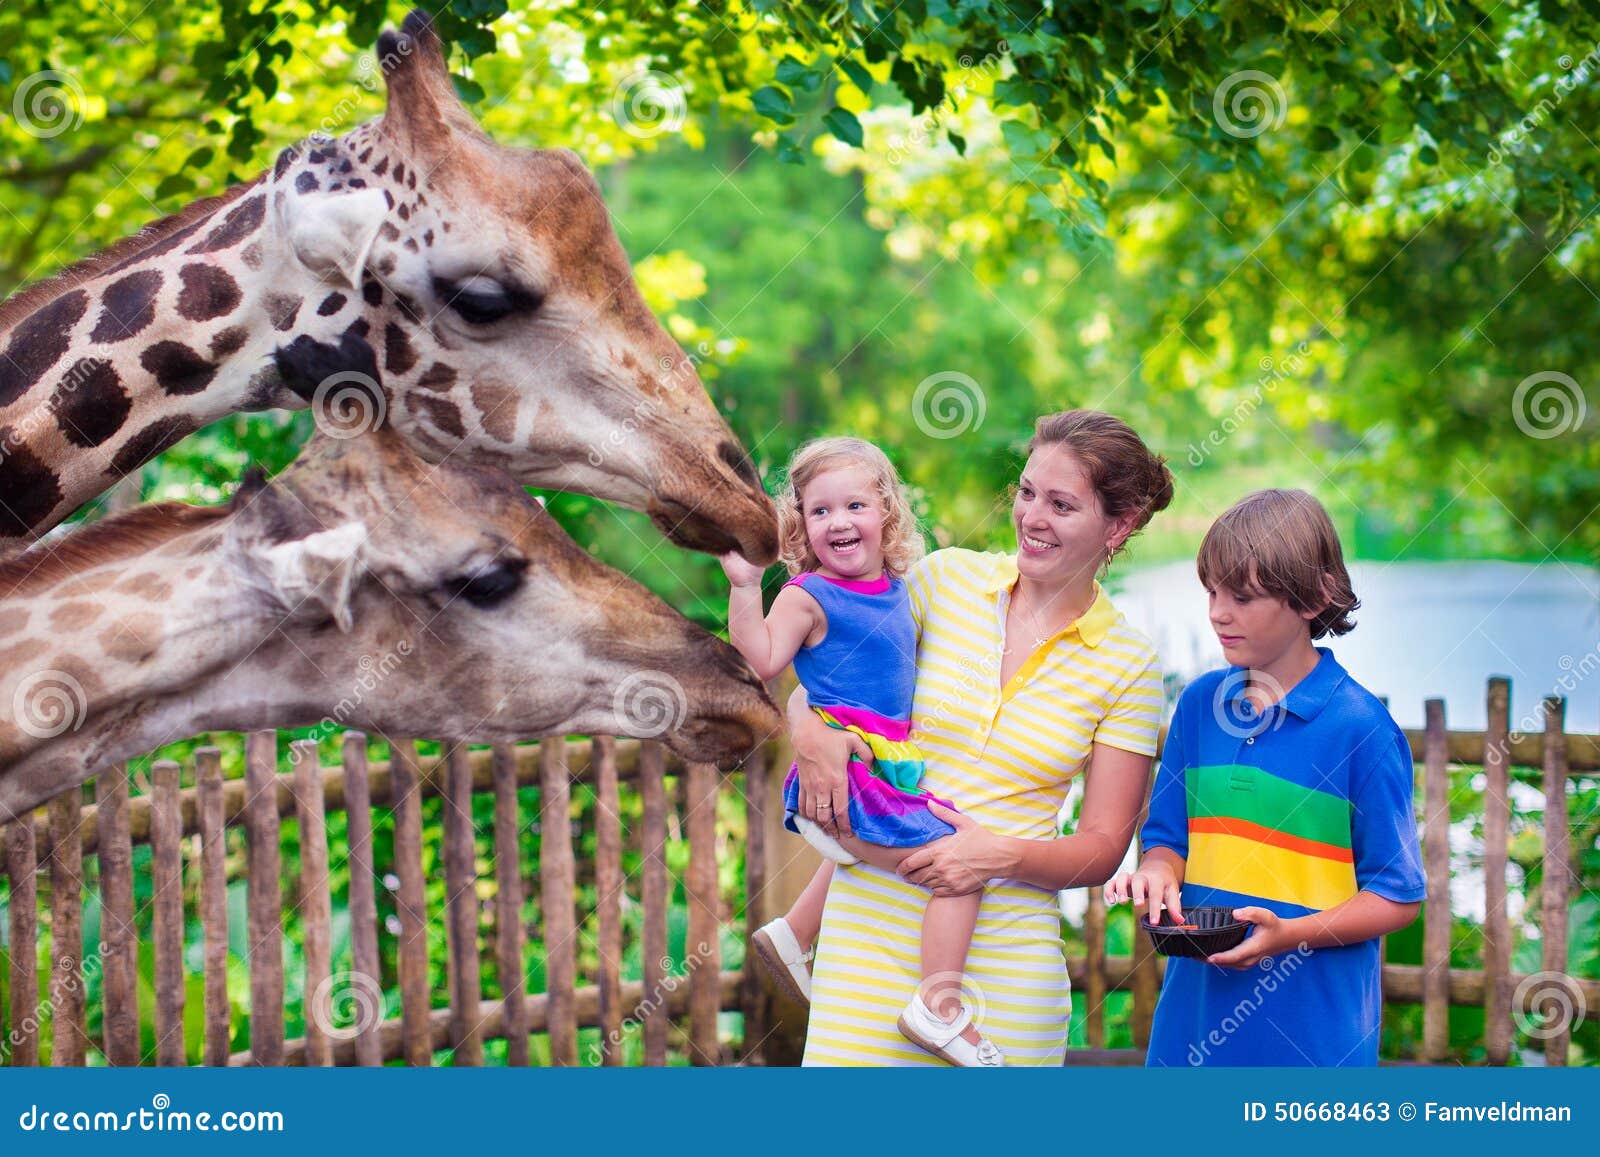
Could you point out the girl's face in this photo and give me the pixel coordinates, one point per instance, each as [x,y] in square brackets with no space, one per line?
[1062,533]
[844,522]
[1255,629]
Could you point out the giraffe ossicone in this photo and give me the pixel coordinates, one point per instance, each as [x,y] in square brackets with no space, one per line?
[489,279]
[361,588]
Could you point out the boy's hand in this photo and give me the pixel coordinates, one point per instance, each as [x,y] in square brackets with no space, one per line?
[1270,936]
[1151,886]
[741,573]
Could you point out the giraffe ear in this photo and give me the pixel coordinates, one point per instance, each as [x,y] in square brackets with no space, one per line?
[319,571]
[332,233]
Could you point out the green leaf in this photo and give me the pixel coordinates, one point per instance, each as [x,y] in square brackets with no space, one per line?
[1428,155]
[957,142]
[773,103]
[1322,140]
[174,185]
[858,74]
[788,152]
[476,41]
[842,123]
[797,74]
[200,158]
[470,91]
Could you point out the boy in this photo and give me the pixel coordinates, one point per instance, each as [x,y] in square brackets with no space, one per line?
[1284,793]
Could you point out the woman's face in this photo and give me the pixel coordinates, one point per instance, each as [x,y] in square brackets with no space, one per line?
[1062,532]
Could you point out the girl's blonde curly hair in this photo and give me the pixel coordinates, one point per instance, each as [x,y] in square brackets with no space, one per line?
[902,541]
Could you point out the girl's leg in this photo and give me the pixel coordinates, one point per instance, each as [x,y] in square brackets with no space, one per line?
[805,917]
[947,926]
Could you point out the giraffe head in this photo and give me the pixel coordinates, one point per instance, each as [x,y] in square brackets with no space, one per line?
[509,325]
[362,588]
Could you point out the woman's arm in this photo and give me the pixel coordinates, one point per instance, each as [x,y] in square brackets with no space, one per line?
[821,755]
[1113,796]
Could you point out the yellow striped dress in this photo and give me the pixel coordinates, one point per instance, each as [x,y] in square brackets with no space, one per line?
[1005,757]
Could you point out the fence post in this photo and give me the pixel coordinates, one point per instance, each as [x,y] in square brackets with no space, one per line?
[1094,984]
[119,963]
[363,899]
[608,895]
[1496,848]
[752,997]
[22,866]
[703,949]
[461,909]
[556,872]
[411,903]
[265,898]
[1557,869]
[214,905]
[316,908]
[69,1034]
[508,930]
[166,863]
[1436,864]
[653,787]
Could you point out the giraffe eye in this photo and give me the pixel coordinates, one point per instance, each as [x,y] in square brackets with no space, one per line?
[482,301]
[490,585]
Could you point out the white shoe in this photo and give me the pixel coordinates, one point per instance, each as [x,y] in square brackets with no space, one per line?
[919,1025]
[830,848]
[777,949]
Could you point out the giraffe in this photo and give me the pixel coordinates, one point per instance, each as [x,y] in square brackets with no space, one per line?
[489,278]
[362,586]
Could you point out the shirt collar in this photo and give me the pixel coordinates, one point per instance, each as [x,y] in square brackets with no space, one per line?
[1307,697]
[1092,626]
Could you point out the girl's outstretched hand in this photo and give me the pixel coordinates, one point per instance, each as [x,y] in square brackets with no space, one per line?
[741,573]
[1151,886]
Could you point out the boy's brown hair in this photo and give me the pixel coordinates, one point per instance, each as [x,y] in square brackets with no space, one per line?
[1281,543]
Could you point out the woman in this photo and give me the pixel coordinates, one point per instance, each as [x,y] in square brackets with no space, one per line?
[1026,675]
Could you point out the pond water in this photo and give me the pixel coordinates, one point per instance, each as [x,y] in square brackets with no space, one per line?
[1425,630]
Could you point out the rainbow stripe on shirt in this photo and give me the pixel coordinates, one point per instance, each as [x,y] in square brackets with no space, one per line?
[1259,834]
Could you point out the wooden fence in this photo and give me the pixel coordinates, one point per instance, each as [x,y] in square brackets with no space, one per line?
[679,1012]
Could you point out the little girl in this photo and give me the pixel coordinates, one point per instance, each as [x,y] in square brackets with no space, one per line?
[844,620]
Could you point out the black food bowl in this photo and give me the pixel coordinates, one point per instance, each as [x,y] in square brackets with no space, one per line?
[1204,931]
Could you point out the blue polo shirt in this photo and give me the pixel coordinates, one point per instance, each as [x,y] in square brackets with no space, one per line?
[1294,809]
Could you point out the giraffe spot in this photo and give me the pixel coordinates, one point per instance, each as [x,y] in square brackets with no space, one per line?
[306,182]
[411,179]
[87,584]
[411,245]
[372,291]
[251,255]
[365,153]
[405,212]
[381,167]
[331,304]
[442,412]
[74,616]
[208,292]
[227,342]
[427,237]
[13,620]
[398,356]
[386,264]
[438,376]
[285,159]
[38,343]
[127,306]
[389,231]
[358,328]
[19,653]
[29,489]
[357,183]
[90,404]
[146,585]
[177,368]
[134,639]
[282,309]
[498,405]
[316,156]
[388,198]
[240,223]
[149,442]
[399,172]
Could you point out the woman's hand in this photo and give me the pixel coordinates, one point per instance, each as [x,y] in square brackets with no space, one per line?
[957,864]
[1271,935]
[1151,886]
[822,754]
